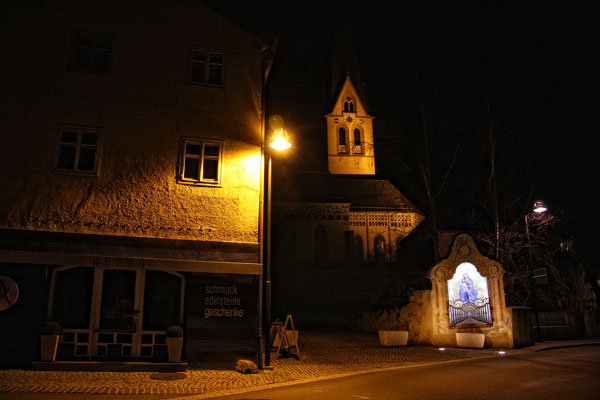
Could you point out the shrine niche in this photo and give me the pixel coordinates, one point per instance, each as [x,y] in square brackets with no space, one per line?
[468,297]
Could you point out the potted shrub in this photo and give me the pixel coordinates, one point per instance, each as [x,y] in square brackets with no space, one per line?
[50,335]
[174,342]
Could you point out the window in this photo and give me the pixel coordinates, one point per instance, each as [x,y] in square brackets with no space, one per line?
[201,162]
[359,251]
[379,248]
[342,148]
[91,53]
[78,150]
[357,148]
[348,105]
[320,243]
[207,68]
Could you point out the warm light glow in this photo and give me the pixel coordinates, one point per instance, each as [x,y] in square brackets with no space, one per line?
[539,206]
[280,141]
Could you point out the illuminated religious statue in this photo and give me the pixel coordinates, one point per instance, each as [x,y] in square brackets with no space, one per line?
[468,292]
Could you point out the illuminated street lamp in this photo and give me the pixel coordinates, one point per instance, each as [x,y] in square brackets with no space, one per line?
[538,207]
[279,141]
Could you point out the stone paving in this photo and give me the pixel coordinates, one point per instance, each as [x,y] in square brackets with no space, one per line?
[323,355]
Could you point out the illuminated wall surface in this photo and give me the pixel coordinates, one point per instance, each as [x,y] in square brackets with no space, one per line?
[142,109]
[467,286]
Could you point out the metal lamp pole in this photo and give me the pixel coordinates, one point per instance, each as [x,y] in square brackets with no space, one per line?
[279,142]
[538,207]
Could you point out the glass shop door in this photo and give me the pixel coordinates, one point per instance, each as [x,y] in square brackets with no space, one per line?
[118,325]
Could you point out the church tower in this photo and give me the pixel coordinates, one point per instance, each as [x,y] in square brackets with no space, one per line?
[350,148]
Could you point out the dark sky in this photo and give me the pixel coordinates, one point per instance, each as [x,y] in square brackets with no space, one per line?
[535,59]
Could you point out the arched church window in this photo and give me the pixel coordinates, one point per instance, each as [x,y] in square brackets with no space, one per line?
[342,142]
[379,248]
[320,239]
[348,104]
[359,249]
[357,140]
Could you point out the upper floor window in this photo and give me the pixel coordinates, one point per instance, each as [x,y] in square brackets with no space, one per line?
[78,150]
[348,104]
[201,162]
[91,53]
[207,67]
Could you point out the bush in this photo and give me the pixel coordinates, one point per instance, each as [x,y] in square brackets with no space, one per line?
[386,320]
[174,331]
[52,328]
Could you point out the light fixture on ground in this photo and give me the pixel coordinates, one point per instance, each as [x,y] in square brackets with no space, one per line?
[279,141]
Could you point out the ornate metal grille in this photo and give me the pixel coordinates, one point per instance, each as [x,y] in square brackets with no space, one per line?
[463,314]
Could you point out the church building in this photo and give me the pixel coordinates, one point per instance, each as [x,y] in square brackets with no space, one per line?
[345,213]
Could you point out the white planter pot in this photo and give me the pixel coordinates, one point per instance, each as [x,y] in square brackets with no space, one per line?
[393,338]
[48,347]
[174,345]
[470,340]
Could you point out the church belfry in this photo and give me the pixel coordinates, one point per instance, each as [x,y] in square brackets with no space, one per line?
[350,134]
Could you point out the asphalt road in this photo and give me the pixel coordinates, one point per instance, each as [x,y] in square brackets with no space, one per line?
[572,374]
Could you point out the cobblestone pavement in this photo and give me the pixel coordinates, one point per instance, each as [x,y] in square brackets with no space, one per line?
[323,355]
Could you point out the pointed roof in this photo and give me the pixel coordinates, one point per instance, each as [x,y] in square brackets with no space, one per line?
[345,59]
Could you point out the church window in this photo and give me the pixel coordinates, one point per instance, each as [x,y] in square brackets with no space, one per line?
[342,142]
[359,249]
[379,249]
[320,243]
[358,145]
[357,141]
[348,104]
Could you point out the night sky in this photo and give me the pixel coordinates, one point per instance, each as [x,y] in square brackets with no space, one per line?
[536,61]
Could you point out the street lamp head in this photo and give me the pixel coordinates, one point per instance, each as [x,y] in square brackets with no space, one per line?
[539,206]
[280,140]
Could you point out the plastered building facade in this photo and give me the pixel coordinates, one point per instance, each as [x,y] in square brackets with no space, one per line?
[132,139]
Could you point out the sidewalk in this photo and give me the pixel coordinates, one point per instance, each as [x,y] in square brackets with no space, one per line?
[324,355]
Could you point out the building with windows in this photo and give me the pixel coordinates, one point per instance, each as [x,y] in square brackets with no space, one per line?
[132,136]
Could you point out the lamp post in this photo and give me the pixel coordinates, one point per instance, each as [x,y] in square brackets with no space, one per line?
[279,141]
[538,207]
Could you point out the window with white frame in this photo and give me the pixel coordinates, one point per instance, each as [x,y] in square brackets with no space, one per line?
[78,150]
[91,53]
[201,161]
[207,67]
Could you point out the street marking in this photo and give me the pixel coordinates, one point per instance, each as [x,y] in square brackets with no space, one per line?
[359,397]
[318,391]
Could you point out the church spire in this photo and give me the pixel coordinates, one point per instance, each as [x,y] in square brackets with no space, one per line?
[344,54]
[350,148]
